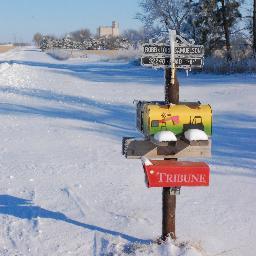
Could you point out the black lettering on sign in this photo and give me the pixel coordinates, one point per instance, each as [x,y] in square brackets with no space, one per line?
[155,61]
[188,50]
[165,61]
[155,49]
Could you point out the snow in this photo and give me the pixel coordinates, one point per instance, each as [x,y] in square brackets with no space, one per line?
[165,136]
[195,134]
[4,66]
[145,161]
[65,189]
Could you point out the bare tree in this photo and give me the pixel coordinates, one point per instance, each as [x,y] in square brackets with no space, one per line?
[250,25]
[37,38]
[134,35]
[81,35]
[226,29]
[230,15]
[170,13]
[254,27]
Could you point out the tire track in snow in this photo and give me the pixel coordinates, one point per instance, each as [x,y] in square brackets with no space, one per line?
[73,198]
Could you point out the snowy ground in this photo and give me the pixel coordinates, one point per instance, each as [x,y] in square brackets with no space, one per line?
[65,189]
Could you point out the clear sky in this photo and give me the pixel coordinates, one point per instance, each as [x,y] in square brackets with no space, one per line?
[21,19]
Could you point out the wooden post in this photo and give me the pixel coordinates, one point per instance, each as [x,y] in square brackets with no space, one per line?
[169,209]
[171,89]
[168,198]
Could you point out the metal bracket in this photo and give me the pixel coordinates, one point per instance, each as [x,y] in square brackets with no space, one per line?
[125,144]
[175,191]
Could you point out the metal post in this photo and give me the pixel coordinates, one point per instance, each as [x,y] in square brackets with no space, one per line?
[168,195]
[171,90]
[171,81]
[169,209]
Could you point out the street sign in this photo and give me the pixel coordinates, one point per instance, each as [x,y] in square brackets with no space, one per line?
[189,50]
[164,173]
[180,62]
[155,61]
[188,62]
[150,49]
[181,50]
[180,53]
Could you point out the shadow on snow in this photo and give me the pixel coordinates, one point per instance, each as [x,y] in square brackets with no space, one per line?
[101,72]
[232,146]
[234,141]
[24,209]
[128,72]
[118,119]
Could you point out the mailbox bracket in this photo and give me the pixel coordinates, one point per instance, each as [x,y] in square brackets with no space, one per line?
[133,148]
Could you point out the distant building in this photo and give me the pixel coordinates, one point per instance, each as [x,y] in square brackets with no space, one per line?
[108,31]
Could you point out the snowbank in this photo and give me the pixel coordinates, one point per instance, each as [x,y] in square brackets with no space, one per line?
[59,54]
[169,248]
[4,66]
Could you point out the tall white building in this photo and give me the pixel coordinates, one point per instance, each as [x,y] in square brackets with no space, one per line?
[108,31]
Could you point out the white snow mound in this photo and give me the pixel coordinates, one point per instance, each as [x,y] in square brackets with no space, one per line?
[195,134]
[165,136]
[145,161]
[4,66]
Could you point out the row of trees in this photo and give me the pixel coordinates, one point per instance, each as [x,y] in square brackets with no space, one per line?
[81,40]
[216,24]
[76,36]
[48,42]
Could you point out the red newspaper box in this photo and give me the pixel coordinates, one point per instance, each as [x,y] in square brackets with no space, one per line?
[165,173]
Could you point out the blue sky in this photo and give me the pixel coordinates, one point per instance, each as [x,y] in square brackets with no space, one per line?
[20,19]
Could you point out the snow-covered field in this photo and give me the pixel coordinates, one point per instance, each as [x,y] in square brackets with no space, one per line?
[65,189]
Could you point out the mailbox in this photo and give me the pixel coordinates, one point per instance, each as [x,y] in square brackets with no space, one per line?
[153,117]
[166,173]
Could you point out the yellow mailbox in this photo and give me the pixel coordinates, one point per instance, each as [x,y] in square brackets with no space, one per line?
[153,117]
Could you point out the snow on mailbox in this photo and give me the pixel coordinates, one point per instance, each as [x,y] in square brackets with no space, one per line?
[164,173]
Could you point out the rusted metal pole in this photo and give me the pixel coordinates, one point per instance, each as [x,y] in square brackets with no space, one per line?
[169,209]
[169,199]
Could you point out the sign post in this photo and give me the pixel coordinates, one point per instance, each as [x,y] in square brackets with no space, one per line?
[169,209]
[175,118]
[171,81]
[172,35]
[171,96]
